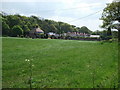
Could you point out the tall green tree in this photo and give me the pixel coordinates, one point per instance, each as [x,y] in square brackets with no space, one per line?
[13,20]
[25,30]
[53,28]
[17,30]
[97,32]
[84,29]
[5,29]
[110,15]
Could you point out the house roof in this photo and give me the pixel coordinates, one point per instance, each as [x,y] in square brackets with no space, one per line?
[37,30]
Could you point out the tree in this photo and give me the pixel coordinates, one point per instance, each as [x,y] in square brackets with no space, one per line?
[13,20]
[110,15]
[109,33]
[17,30]
[5,28]
[115,34]
[103,35]
[53,28]
[26,30]
[97,32]
[84,29]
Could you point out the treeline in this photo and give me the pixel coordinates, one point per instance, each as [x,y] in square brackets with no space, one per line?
[13,25]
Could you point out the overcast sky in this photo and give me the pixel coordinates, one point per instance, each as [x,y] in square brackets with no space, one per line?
[75,12]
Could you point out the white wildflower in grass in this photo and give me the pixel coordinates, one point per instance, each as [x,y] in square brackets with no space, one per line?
[26,60]
[32,65]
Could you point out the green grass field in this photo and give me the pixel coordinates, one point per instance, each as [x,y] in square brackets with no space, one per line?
[59,63]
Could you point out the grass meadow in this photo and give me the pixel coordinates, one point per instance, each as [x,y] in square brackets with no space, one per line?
[59,63]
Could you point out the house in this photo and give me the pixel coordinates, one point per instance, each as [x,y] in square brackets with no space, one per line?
[77,34]
[72,34]
[51,33]
[36,32]
[95,36]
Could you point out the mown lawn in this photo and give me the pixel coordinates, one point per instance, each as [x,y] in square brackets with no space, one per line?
[59,63]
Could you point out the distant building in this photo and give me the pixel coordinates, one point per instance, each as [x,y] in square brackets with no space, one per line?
[72,34]
[78,34]
[51,33]
[35,32]
[95,36]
